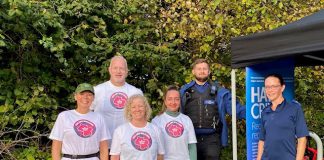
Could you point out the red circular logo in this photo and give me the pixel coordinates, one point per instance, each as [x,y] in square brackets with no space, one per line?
[84,128]
[141,140]
[174,129]
[118,100]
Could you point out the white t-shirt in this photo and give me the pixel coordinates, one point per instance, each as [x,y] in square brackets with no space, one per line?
[110,101]
[178,132]
[132,143]
[80,133]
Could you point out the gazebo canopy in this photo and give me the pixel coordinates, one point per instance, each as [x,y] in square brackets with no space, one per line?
[302,40]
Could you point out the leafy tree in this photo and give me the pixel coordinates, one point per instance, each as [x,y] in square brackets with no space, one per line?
[204,28]
[47,47]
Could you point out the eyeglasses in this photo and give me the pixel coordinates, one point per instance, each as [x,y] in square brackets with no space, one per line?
[272,87]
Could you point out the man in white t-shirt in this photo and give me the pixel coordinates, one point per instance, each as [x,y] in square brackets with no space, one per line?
[111,96]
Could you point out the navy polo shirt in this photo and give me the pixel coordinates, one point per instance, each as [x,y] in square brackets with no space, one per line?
[202,88]
[280,130]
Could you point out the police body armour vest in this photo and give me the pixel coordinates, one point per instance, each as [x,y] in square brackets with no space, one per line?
[202,108]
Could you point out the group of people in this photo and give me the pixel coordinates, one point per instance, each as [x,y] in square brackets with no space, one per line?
[111,121]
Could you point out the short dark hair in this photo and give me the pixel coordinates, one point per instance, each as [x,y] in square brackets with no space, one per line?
[198,61]
[276,75]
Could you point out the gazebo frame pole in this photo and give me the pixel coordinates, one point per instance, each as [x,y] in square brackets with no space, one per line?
[234,135]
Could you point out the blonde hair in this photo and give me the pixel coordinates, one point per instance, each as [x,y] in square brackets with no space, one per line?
[148,110]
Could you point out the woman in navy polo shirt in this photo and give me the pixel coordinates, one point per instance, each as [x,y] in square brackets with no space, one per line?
[282,122]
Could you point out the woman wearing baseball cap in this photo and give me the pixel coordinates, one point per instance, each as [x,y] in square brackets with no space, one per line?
[80,133]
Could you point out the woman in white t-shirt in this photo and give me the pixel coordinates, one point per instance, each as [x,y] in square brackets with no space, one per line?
[137,139]
[80,133]
[177,128]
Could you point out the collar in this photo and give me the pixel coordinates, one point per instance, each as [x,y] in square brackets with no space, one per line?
[201,88]
[204,85]
[172,114]
[278,109]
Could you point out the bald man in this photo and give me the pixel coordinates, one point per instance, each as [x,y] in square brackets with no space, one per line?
[111,96]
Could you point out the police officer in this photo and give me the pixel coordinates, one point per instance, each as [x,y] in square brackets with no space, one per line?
[207,103]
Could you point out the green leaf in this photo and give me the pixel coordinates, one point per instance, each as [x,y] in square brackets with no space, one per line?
[17,92]
[30,157]
[280,5]
[4,108]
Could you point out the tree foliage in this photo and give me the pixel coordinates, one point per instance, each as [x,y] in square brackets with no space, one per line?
[47,47]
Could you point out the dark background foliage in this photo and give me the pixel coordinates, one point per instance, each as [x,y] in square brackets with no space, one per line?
[47,47]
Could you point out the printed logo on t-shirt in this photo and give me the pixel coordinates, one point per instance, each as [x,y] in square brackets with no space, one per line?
[141,140]
[118,100]
[84,128]
[174,129]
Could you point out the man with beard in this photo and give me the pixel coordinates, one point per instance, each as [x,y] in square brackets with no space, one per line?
[207,104]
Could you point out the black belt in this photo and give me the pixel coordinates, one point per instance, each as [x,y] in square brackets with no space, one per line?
[81,156]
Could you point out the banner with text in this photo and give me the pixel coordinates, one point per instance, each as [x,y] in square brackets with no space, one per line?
[256,98]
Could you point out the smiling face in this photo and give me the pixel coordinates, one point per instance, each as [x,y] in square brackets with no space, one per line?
[84,99]
[274,89]
[137,110]
[172,100]
[118,71]
[201,72]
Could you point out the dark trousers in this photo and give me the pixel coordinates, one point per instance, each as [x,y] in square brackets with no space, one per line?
[208,147]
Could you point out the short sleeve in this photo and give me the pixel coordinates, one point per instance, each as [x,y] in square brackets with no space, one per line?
[116,142]
[262,130]
[191,130]
[57,132]
[301,127]
[140,92]
[104,134]
[160,141]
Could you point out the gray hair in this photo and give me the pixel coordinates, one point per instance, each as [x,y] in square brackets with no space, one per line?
[118,57]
